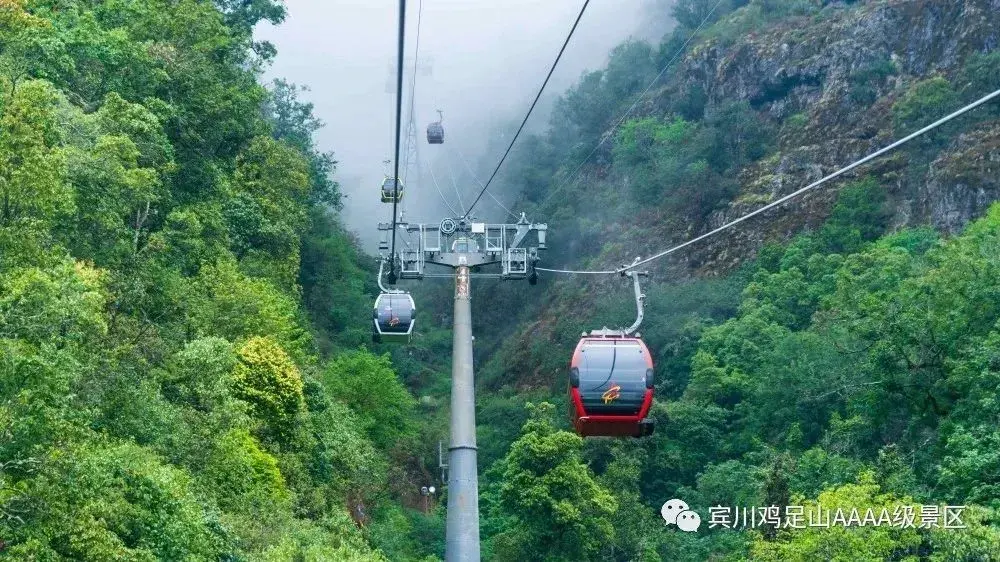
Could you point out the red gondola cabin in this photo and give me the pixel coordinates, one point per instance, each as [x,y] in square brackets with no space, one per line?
[611,386]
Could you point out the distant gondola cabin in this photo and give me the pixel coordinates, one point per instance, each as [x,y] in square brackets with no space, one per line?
[435,133]
[390,193]
[611,387]
[393,318]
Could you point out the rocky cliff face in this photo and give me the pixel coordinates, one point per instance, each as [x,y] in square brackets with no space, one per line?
[832,79]
[827,83]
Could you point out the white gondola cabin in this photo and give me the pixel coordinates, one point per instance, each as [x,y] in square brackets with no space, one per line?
[391,193]
[393,318]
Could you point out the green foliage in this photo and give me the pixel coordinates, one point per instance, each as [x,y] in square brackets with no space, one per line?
[367,384]
[240,468]
[556,509]
[63,304]
[339,454]
[266,377]
[818,469]
[293,122]
[200,374]
[839,542]
[836,357]
[860,216]
[33,185]
[922,103]
[668,164]
[118,178]
[741,136]
[756,15]
[691,13]
[335,285]
[970,452]
[731,483]
[685,166]
[155,350]
[867,81]
[590,104]
[796,122]
[114,501]
[877,542]
[333,538]
[222,301]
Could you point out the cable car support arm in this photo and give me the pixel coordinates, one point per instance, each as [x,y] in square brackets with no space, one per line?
[381,267]
[639,298]
[381,287]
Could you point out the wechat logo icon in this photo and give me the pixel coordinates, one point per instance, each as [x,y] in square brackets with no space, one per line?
[677,512]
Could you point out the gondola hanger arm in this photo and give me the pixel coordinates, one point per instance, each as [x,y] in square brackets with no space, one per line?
[639,296]
[381,270]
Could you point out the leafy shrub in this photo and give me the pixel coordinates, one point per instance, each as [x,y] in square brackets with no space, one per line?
[368,385]
[924,102]
[269,381]
[108,501]
[222,301]
[64,303]
[864,83]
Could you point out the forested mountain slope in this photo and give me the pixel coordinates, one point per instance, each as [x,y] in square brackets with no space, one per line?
[183,318]
[176,295]
[836,349]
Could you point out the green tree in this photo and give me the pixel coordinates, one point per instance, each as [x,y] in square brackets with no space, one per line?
[875,542]
[367,384]
[33,183]
[269,381]
[557,509]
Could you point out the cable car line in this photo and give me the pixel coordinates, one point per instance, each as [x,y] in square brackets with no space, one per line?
[604,138]
[800,191]
[438,187]
[454,184]
[413,86]
[570,271]
[399,112]
[530,109]
[472,172]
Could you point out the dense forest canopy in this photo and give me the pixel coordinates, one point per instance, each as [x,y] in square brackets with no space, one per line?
[185,364]
[174,281]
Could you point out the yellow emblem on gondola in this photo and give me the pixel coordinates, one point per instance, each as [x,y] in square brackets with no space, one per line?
[612,394]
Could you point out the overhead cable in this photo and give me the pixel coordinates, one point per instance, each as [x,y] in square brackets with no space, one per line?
[530,109]
[399,112]
[413,88]
[472,172]
[454,184]
[809,187]
[438,187]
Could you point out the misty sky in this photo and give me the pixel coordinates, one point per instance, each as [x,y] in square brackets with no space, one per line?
[487,61]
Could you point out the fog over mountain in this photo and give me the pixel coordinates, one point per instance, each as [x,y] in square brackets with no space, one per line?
[479,61]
